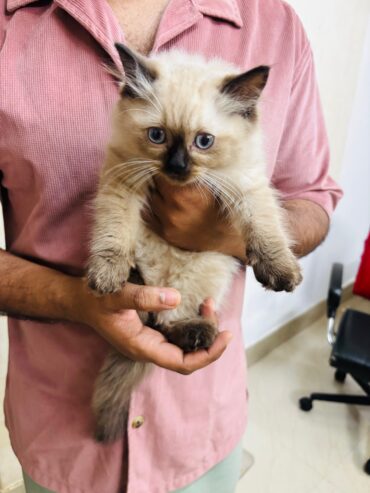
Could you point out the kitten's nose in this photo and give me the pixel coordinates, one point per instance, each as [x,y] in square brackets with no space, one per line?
[177,163]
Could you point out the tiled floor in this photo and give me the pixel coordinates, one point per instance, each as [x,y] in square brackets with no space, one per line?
[322,451]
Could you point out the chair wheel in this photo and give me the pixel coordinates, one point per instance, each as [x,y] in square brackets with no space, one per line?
[305,403]
[367,467]
[340,376]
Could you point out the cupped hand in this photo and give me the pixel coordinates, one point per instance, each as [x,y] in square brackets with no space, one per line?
[115,318]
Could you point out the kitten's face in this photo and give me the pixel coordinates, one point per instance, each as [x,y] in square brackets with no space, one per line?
[184,118]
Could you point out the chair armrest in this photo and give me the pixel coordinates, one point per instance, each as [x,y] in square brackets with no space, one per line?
[335,289]
[334,296]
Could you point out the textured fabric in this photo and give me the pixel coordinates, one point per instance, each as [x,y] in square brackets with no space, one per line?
[221,478]
[55,103]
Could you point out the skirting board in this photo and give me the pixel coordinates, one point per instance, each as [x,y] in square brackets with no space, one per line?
[14,488]
[290,329]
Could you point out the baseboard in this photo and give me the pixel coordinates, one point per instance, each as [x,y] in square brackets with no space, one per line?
[16,487]
[290,329]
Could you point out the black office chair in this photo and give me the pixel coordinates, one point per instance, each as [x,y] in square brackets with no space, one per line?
[351,349]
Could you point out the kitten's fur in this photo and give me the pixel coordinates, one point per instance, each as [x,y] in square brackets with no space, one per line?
[184,95]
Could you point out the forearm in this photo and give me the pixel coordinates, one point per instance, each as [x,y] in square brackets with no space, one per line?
[308,225]
[33,291]
[307,222]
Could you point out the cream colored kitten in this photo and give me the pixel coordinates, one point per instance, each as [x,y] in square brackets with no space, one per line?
[192,121]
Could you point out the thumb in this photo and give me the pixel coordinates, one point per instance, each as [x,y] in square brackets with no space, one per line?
[147,298]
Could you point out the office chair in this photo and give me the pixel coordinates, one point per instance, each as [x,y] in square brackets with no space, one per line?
[351,349]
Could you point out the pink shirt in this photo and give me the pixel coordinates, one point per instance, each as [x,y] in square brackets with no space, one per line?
[55,105]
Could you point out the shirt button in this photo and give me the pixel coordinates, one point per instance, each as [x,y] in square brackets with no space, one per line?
[137,422]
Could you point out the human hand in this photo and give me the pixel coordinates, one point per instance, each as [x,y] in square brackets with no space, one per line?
[115,318]
[189,218]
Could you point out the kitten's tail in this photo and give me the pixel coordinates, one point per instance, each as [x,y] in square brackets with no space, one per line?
[114,385]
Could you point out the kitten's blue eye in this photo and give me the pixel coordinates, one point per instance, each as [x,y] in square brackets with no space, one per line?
[204,141]
[156,135]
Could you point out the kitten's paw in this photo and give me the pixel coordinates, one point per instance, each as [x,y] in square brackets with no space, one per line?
[191,334]
[108,271]
[281,274]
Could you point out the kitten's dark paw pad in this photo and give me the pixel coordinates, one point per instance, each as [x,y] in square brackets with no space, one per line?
[107,272]
[282,275]
[191,335]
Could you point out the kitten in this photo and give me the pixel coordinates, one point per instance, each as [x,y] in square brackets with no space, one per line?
[191,121]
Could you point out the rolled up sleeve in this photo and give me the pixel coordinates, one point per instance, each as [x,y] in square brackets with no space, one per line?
[302,166]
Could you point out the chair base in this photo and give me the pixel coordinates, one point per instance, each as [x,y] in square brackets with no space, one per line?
[306,403]
[340,376]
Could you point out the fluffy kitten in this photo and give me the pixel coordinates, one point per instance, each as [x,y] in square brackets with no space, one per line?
[192,121]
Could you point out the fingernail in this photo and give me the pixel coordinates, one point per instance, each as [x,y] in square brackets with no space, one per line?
[229,336]
[211,304]
[170,298]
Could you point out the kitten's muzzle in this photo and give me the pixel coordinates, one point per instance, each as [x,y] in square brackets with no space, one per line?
[177,164]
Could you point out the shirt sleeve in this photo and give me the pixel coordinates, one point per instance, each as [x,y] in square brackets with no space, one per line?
[301,170]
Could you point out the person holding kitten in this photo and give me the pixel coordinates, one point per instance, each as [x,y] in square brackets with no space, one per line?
[187,418]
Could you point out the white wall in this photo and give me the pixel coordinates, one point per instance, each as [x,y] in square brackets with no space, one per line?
[337,30]
[342,53]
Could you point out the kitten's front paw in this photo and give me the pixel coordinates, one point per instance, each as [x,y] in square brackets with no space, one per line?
[191,334]
[107,272]
[281,274]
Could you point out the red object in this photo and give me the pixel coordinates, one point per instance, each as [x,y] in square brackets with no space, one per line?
[362,283]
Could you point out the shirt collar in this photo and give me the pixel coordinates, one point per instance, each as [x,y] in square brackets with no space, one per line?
[12,5]
[227,10]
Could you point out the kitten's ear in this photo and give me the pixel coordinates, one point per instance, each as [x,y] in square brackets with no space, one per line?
[138,72]
[246,89]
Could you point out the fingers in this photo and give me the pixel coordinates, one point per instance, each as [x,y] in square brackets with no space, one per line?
[146,298]
[152,220]
[172,358]
[179,196]
[207,310]
[164,189]
[200,359]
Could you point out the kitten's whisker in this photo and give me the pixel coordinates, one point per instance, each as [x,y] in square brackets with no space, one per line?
[225,182]
[143,181]
[198,183]
[139,179]
[137,164]
[123,173]
[119,172]
[141,172]
[210,186]
[216,186]
[231,194]
[223,196]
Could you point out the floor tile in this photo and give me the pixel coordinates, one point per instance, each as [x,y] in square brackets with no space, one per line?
[305,451]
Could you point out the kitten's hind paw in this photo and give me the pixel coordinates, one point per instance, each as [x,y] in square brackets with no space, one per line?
[191,334]
[107,272]
[283,274]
